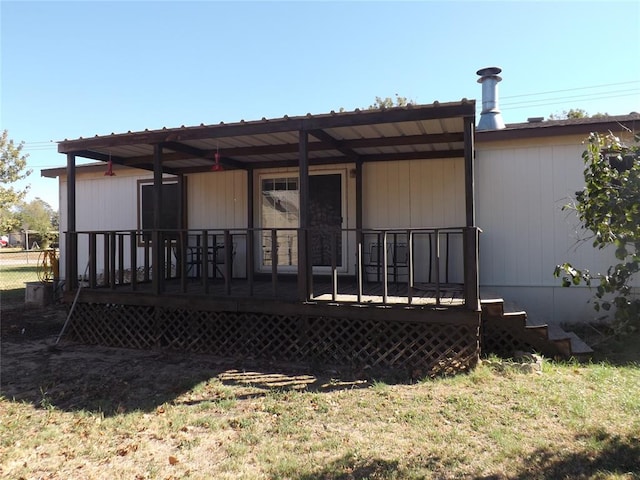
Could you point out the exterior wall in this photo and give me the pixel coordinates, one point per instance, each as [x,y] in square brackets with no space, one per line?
[416,193]
[396,195]
[102,203]
[217,200]
[521,187]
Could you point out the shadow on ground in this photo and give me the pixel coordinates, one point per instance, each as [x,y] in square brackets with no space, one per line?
[350,468]
[610,347]
[112,380]
[73,377]
[604,456]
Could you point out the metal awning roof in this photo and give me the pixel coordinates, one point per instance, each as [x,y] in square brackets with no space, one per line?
[403,133]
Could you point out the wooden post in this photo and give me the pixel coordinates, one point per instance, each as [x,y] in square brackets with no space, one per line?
[112,259]
[121,258]
[157,259]
[182,201]
[334,267]
[250,232]
[250,259]
[471,233]
[205,260]
[228,261]
[437,266]
[410,266]
[106,265]
[71,246]
[181,259]
[471,283]
[385,273]
[469,162]
[133,251]
[359,193]
[92,260]
[274,262]
[359,232]
[359,276]
[304,269]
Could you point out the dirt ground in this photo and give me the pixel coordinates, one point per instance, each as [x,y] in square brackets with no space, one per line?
[73,377]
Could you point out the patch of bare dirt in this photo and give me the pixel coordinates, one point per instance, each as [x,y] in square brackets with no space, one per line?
[20,323]
[71,376]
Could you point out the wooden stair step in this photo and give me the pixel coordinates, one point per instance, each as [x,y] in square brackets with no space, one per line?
[574,344]
[513,308]
[578,346]
[510,315]
[556,332]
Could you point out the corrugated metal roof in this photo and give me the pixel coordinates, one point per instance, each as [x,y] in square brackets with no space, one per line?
[570,126]
[415,131]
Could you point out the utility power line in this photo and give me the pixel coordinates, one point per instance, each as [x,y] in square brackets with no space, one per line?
[573,89]
[45,145]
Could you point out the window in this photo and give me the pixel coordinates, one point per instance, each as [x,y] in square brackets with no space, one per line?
[171,215]
[280,209]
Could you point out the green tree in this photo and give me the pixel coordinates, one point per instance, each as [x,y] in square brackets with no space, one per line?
[13,165]
[39,216]
[609,208]
[574,113]
[388,102]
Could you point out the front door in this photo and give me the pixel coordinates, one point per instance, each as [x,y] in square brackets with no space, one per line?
[279,209]
[325,218]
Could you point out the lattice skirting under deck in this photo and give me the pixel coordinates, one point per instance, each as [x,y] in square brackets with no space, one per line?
[501,341]
[417,348]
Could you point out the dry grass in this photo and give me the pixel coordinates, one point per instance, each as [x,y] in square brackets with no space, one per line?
[86,412]
[16,268]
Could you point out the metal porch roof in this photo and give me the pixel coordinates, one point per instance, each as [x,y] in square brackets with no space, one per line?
[402,133]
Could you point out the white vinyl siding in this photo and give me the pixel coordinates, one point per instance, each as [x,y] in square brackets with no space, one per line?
[102,203]
[520,195]
[417,193]
[521,188]
[217,200]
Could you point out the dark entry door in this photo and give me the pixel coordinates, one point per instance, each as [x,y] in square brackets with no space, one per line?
[325,217]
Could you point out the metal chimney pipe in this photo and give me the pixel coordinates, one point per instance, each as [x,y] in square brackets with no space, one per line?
[490,117]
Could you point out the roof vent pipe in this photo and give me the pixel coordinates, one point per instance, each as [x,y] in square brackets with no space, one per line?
[490,117]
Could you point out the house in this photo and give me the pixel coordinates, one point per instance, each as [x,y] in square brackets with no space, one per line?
[355,237]
[526,173]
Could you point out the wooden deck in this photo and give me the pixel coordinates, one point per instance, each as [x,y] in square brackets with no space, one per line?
[285,290]
[419,338]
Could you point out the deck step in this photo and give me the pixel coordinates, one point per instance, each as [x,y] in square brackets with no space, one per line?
[578,346]
[556,332]
[550,339]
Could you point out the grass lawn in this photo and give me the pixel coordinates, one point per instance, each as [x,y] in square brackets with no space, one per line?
[12,281]
[92,412]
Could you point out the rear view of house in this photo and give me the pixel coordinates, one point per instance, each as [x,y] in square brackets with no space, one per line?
[346,237]
[356,237]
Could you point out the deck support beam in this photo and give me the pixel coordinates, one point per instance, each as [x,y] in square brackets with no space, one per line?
[304,269]
[250,232]
[71,245]
[469,166]
[359,233]
[471,233]
[471,283]
[157,258]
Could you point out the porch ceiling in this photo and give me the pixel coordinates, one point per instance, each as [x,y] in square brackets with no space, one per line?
[403,133]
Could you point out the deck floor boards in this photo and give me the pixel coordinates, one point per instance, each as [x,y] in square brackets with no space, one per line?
[287,290]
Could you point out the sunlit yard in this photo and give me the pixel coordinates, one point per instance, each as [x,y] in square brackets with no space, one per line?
[87,412]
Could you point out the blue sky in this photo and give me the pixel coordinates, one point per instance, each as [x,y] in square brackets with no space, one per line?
[81,68]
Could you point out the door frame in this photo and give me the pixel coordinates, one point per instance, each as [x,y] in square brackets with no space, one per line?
[294,173]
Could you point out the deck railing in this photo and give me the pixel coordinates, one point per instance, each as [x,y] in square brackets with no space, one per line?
[392,262]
